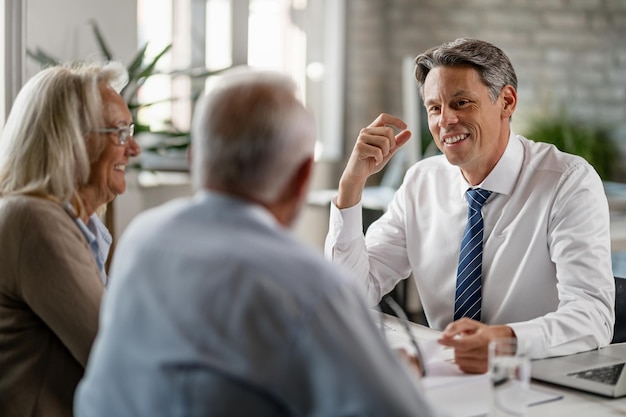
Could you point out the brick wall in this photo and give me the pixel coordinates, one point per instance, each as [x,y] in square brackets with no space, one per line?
[570,52]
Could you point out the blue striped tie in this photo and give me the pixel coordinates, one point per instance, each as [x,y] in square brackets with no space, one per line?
[468,297]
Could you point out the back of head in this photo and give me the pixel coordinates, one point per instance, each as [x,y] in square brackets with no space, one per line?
[46,146]
[493,66]
[250,134]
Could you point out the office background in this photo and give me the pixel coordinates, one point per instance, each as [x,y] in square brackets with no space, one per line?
[570,55]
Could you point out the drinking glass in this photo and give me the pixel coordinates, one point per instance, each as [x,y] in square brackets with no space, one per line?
[509,372]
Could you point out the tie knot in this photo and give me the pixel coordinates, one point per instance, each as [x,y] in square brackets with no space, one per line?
[476,197]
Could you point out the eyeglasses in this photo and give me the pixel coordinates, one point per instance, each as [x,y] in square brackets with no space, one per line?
[123,133]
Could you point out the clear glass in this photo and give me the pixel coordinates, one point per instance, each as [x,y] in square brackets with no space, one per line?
[509,372]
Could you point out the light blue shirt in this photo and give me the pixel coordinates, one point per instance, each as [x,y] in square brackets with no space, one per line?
[215,310]
[99,240]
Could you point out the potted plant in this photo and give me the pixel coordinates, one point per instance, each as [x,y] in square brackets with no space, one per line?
[165,148]
[592,142]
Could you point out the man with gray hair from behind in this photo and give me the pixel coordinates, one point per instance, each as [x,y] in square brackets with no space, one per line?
[214,309]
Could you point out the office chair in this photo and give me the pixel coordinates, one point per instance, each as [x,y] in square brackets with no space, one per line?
[619,330]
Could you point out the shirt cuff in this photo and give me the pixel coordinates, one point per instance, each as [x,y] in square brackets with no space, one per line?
[346,224]
[526,332]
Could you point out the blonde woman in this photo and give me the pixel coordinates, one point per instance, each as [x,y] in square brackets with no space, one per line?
[63,153]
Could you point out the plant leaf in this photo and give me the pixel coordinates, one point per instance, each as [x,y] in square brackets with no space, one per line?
[44,59]
[149,69]
[196,72]
[130,91]
[104,48]
[135,64]
[592,142]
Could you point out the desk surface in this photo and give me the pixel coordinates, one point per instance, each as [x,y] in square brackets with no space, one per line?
[577,403]
[573,402]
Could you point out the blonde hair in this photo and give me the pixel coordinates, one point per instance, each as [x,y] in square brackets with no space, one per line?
[47,146]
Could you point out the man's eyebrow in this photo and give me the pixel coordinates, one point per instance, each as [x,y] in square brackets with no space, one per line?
[463,93]
[459,93]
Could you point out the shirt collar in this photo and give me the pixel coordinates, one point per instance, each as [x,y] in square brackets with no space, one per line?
[504,175]
[502,178]
[257,211]
[89,235]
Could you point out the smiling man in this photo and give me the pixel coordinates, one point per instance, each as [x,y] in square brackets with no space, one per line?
[505,237]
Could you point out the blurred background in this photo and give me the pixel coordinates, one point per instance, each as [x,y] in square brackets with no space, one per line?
[352,60]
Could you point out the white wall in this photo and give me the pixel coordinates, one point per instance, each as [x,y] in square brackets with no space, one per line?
[61,28]
[2,74]
[11,51]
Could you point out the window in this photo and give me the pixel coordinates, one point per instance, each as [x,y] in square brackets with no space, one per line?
[2,74]
[301,38]
[12,15]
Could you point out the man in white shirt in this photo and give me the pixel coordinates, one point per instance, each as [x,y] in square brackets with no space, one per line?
[546,261]
[214,309]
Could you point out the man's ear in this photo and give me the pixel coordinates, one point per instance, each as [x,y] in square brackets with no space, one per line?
[287,207]
[300,181]
[509,98]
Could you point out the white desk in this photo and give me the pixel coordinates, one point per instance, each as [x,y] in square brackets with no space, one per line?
[577,403]
[573,403]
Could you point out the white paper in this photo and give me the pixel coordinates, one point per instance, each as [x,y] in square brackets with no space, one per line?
[445,385]
[469,396]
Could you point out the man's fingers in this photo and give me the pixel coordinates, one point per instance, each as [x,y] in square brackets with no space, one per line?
[470,340]
[378,136]
[461,326]
[380,143]
[402,138]
[385,119]
[367,150]
[472,365]
[376,142]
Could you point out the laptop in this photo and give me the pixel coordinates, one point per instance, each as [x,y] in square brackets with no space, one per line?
[601,371]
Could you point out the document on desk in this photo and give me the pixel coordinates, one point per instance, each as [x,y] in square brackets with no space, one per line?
[471,393]
[444,380]
[469,396]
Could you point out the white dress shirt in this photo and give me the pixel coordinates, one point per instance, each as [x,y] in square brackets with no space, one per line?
[547,257]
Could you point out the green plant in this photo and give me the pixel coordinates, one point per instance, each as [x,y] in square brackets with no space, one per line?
[139,70]
[592,142]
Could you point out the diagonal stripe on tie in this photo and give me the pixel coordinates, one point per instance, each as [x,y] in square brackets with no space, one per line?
[468,296]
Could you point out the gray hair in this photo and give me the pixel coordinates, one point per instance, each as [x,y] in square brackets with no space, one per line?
[47,146]
[250,134]
[493,66]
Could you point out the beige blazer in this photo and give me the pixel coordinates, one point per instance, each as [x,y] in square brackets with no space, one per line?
[50,292]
